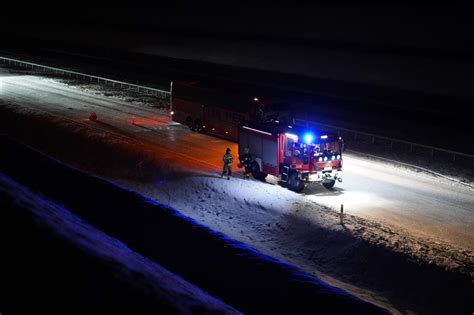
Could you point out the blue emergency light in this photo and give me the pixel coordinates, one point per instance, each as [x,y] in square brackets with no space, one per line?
[308,138]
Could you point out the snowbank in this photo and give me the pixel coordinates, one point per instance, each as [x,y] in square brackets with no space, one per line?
[230,270]
[71,267]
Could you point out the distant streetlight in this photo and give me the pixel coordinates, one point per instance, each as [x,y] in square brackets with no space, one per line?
[256,99]
[259,108]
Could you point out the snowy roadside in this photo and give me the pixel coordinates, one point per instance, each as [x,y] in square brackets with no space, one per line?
[205,257]
[305,234]
[135,281]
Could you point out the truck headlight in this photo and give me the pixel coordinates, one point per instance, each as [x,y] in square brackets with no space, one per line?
[338,157]
[333,158]
[320,159]
[325,158]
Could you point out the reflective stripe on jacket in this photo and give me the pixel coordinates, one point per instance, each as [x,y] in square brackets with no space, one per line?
[228,158]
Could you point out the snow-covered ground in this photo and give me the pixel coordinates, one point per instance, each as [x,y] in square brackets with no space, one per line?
[231,270]
[160,288]
[391,212]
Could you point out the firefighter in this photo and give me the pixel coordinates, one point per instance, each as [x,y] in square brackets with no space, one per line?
[227,159]
[246,160]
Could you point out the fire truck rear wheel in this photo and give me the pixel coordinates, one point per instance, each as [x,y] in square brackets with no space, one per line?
[256,173]
[295,183]
[330,184]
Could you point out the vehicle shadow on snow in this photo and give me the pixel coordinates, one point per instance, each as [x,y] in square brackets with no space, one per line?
[314,189]
[320,190]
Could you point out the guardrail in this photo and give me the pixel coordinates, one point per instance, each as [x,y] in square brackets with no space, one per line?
[375,139]
[162,94]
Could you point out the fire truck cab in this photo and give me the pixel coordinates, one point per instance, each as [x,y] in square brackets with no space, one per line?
[298,156]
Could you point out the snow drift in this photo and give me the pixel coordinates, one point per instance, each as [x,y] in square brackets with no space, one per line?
[60,264]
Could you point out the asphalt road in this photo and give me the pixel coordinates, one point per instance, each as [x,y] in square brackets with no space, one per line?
[421,203]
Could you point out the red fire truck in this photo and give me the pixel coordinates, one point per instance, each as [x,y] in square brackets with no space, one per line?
[296,155]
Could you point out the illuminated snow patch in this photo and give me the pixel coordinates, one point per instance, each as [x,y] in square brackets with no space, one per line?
[352,200]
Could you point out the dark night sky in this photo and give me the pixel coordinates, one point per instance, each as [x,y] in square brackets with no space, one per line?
[425,24]
[415,45]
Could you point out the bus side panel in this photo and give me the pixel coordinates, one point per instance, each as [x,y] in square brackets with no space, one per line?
[184,109]
[215,120]
[229,123]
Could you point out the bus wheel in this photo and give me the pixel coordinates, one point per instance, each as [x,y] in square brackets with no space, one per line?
[330,184]
[198,126]
[295,183]
[189,123]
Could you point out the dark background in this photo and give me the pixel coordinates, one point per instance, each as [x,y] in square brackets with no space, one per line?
[441,27]
[388,64]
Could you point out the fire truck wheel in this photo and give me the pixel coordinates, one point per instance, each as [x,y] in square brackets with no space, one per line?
[189,123]
[255,169]
[330,184]
[295,183]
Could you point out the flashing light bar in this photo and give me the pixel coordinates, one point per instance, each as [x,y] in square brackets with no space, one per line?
[292,136]
[256,130]
[324,137]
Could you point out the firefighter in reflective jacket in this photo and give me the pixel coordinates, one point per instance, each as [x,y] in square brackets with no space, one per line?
[246,160]
[227,159]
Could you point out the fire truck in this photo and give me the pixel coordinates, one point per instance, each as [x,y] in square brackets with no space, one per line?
[297,155]
[218,112]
